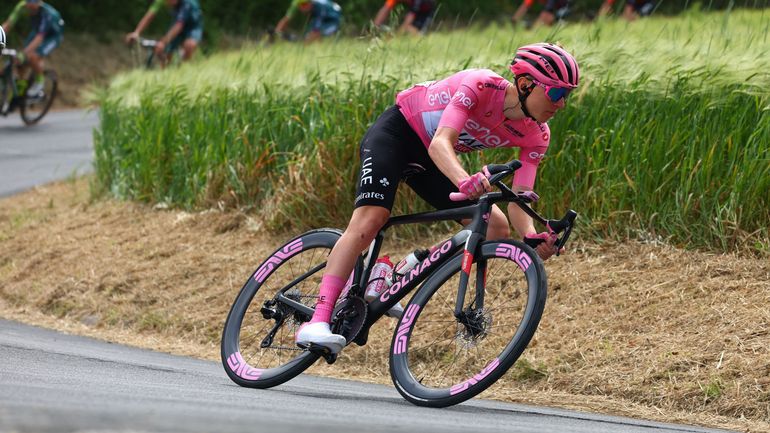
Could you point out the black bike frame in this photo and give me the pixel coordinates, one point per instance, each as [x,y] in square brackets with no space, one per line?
[468,239]
[8,75]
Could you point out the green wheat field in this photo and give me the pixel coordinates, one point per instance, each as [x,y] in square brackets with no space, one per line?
[666,139]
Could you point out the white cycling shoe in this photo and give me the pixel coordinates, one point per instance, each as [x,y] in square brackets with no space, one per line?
[319,333]
[36,90]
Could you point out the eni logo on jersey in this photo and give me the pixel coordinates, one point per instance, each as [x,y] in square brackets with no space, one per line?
[441,97]
[484,134]
[464,99]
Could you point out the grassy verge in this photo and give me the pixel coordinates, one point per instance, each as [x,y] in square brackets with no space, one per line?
[638,329]
[667,136]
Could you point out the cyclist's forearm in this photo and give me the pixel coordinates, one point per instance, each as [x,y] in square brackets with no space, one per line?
[406,26]
[520,221]
[144,22]
[281,26]
[520,12]
[381,16]
[173,32]
[443,155]
[7,26]
[32,46]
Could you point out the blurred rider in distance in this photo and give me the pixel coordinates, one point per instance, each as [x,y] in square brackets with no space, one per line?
[46,35]
[185,32]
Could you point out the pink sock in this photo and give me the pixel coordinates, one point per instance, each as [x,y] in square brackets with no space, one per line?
[331,287]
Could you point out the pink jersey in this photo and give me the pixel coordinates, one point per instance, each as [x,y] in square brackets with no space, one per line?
[472,103]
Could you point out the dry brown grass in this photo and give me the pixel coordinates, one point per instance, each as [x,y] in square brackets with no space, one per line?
[632,329]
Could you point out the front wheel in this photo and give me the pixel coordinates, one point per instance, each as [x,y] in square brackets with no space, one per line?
[34,107]
[438,359]
[258,349]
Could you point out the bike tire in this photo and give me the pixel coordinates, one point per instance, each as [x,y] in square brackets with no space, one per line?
[242,357]
[435,359]
[52,86]
[5,91]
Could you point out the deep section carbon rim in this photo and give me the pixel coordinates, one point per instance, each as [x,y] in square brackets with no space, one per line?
[440,360]
[258,348]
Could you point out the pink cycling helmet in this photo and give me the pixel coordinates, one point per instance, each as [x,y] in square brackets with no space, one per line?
[547,63]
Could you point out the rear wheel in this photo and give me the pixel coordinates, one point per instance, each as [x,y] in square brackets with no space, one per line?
[34,107]
[5,90]
[437,359]
[258,348]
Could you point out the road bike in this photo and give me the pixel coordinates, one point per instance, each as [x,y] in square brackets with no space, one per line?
[145,52]
[477,307]
[148,58]
[31,107]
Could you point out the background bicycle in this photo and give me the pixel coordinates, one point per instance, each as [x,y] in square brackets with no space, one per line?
[144,54]
[478,306]
[14,93]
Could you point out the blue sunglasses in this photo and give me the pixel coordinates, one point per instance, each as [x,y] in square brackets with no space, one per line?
[554,93]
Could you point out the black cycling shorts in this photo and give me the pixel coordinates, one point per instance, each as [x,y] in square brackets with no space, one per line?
[390,152]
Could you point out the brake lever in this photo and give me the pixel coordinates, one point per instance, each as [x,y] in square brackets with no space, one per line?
[569,221]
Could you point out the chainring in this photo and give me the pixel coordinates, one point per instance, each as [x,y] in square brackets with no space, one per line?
[349,317]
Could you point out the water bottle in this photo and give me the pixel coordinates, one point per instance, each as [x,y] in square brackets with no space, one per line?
[380,278]
[409,262]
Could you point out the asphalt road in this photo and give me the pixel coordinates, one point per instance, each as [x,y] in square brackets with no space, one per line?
[52,382]
[60,146]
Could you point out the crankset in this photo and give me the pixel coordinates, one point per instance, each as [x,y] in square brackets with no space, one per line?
[349,317]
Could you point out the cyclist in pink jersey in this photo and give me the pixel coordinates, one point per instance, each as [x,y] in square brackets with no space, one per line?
[417,141]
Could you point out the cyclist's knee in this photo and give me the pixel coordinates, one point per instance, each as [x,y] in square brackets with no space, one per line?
[367,221]
[189,47]
[498,226]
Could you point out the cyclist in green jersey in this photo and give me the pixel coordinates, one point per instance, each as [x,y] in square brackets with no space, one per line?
[46,35]
[325,16]
[186,31]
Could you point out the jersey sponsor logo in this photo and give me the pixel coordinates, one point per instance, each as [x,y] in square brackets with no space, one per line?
[369,195]
[441,97]
[464,99]
[482,86]
[512,130]
[484,135]
[536,155]
[366,172]
[494,86]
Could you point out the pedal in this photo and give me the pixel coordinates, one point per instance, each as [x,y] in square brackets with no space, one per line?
[321,351]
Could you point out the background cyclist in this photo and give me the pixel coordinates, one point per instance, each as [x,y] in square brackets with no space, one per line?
[325,17]
[46,35]
[416,20]
[632,10]
[418,139]
[186,31]
[552,10]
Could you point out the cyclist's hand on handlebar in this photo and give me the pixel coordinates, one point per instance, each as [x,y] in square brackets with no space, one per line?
[160,48]
[543,243]
[473,187]
[131,37]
